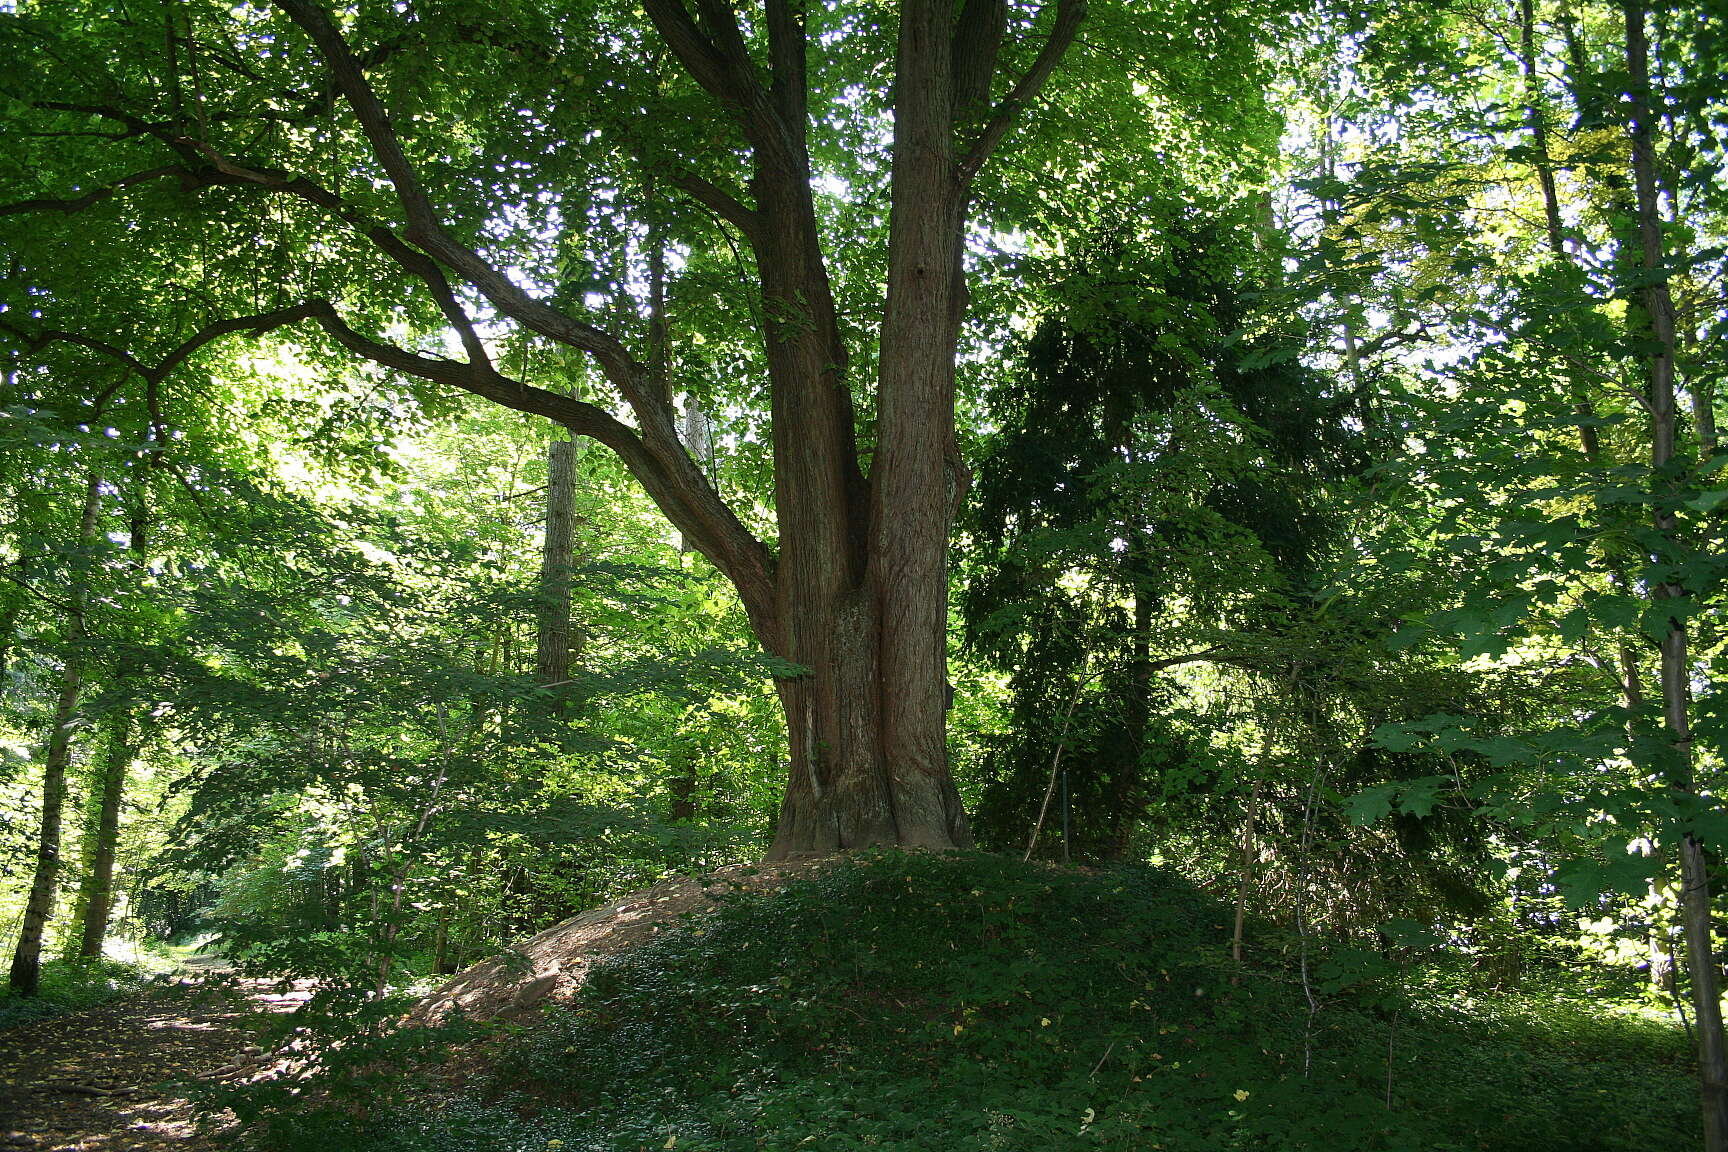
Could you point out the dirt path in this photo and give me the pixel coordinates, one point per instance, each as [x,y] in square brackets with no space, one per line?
[104,1080]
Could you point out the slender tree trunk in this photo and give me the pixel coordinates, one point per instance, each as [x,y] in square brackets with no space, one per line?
[26,973]
[1245,872]
[682,785]
[699,441]
[1589,442]
[95,903]
[1696,911]
[12,595]
[1125,798]
[554,639]
[1329,216]
[96,889]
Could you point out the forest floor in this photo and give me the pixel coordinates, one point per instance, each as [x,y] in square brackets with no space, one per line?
[115,1077]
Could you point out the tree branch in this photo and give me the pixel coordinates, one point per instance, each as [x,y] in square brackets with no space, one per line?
[718,59]
[977,41]
[426,231]
[93,197]
[663,468]
[720,202]
[1069,14]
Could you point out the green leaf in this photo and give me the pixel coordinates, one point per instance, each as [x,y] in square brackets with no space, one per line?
[1371,804]
[1419,798]
[1708,501]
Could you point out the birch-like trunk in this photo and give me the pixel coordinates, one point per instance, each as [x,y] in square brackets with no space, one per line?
[26,972]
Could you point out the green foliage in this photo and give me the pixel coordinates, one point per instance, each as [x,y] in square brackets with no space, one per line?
[76,986]
[966,1002]
[1156,493]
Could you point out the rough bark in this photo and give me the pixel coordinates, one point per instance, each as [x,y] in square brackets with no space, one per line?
[1696,910]
[26,973]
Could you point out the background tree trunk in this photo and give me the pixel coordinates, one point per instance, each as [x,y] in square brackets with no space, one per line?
[25,977]
[1696,910]
[96,890]
[554,639]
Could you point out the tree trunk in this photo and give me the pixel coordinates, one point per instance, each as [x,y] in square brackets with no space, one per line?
[96,890]
[1696,911]
[1245,871]
[861,579]
[26,973]
[12,595]
[554,640]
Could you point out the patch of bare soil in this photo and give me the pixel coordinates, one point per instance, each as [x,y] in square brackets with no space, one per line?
[110,1078]
[551,966]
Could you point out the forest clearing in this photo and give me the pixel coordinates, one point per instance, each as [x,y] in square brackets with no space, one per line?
[853,574]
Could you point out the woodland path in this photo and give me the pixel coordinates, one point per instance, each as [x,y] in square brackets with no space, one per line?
[113,1077]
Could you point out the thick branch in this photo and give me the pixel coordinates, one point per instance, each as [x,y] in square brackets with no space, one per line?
[256,324]
[717,58]
[664,470]
[427,232]
[91,198]
[720,202]
[1069,14]
[977,41]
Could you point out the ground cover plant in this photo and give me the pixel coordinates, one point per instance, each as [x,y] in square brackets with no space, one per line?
[971,1002]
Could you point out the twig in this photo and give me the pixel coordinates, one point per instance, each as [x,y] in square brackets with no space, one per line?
[91,1089]
[1056,763]
[1302,924]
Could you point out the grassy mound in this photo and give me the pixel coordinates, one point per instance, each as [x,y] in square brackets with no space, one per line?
[966,1002]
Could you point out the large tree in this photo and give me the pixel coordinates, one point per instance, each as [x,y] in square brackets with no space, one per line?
[401,168]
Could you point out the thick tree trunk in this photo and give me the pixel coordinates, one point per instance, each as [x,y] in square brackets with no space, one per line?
[26,973]
[868,612]
[96,889]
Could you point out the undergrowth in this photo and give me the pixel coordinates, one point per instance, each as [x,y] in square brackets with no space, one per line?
[966,1003]
[74,986]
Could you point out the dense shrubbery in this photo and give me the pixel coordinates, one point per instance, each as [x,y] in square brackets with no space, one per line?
[960,1003]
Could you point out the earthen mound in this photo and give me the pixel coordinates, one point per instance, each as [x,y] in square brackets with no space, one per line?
[553,964]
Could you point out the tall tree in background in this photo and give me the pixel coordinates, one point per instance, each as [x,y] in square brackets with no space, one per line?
[1154,499]
[1570,259]
[25,974]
